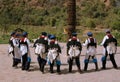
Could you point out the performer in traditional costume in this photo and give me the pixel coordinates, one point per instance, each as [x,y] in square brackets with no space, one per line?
[15,41]
[25,51]
[110,47]
[53,56]
[91,51]
[74,49]
[41,49]
[11,46]
[10,50]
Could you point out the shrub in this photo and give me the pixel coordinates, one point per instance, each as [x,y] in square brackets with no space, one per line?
[39,21]
[52,22]
[115,25]
[90,23]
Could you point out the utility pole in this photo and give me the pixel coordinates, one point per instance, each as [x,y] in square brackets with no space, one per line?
[71,21]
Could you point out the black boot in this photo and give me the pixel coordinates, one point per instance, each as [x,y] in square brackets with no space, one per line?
[113,61]
[70,65]
[104,64]
[96,66]
[27,66]
[51,68]
[43,63]
[39,61]
[104,60]
[58,69]
[14,63]
[70,68]
[79,69]
[78,65]
[86,66]
[23,66]
[42,68]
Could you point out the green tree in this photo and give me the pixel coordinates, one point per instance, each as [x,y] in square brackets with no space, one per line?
[5,14]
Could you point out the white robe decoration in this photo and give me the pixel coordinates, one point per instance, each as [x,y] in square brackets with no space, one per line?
[24,49]
[73,51]
[111,48]
[52,55]
[91,51]
[16,49]
[40,50]
[17,53]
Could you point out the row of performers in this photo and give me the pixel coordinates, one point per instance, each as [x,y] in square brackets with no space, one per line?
[48,49]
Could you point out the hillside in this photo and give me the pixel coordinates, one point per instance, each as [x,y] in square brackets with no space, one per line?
[91,14]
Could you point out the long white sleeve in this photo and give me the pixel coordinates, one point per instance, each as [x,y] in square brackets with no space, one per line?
[28,41]
[86,43]
[104,39]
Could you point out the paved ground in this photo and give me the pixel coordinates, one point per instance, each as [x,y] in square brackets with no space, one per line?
[10,74]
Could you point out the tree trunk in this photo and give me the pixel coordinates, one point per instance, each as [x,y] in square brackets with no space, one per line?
[71,10]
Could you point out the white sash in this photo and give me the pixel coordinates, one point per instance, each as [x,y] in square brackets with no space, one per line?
[52,54]
[73,51]
[40,49]
[91,51]
[23,49]
[111,48]
[17,52]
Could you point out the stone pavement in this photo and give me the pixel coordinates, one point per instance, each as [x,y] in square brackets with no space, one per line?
[10,74]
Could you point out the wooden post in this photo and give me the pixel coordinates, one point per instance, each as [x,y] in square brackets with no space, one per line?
[71,21]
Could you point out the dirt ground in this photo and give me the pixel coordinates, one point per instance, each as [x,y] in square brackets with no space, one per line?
[10,74]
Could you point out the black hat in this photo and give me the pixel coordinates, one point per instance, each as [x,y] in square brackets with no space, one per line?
[52,37]
[17,35]
[25,34]
[74,34]
[89,33]
[12,33]
[44,33]
[49,35]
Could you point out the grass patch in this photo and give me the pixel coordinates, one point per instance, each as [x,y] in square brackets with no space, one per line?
[35,31]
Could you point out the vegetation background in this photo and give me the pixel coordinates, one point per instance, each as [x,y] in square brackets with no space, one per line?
[35,16]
